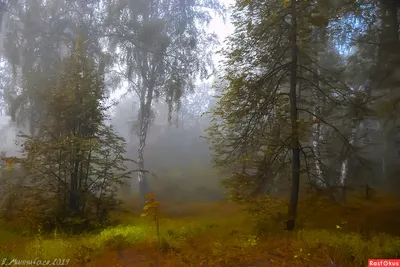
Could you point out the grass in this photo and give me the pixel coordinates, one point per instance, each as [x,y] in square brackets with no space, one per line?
[223,234]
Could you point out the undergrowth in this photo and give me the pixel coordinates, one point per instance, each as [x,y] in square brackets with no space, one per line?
[231,236]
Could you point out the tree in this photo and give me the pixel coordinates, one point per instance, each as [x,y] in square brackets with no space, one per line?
[38,37]
[164,48]
[371,31]
[77,160]
[292,212]
[275,77]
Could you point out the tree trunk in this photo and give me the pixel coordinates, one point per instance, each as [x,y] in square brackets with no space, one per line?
[3,24]
[74,185]
[74,195]
[148,79]
[345,163]
[389,45]
[292,210]
[142,181]
[390,27]
[318,108]
[145,109]
[316,143]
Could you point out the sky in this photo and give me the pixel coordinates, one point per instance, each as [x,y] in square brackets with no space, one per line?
[221,28]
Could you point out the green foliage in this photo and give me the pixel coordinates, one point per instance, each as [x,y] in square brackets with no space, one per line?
[268,215]
[162,54]
[38,33]
[228,238]
[251,130]
[171,51]
[117,243]
[76,165]
[350,248]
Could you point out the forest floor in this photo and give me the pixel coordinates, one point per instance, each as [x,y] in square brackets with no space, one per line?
[223,234]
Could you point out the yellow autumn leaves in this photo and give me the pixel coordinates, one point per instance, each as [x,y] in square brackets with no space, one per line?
[151,207]
[10,162]
[286,3]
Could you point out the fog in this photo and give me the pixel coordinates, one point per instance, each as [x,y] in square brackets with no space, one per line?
[175,154]
[187,133]
[8,136]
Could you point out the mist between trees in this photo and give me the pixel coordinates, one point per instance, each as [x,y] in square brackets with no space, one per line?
[306,99]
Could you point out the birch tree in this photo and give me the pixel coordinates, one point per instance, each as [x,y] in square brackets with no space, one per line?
[164,48]
[373,65]
[38,37]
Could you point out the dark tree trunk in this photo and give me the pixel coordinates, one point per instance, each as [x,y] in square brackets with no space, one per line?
[390,25]
[74,194]
[292,211]
[388,62]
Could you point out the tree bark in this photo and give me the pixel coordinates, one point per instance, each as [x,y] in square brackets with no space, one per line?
[142,181]
[316,142]
[145,109]
[389,45]
[146,96]
[292,210]
[344,168]
[319,40]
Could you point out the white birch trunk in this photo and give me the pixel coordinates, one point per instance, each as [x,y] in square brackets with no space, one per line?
[317,138]
[344,167]
[316,143]
[142,181]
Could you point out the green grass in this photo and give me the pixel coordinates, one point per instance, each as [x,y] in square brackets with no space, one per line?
[7,235]
[348,247]
[222,235]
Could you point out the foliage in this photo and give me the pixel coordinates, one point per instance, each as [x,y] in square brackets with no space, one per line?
[38,36]
[255,124]
[75,166]
[252,131]
[222,234]
[73,162]
[169,52]
[151,209]
[162,52]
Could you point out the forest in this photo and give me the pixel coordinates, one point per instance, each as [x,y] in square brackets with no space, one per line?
[200,133]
